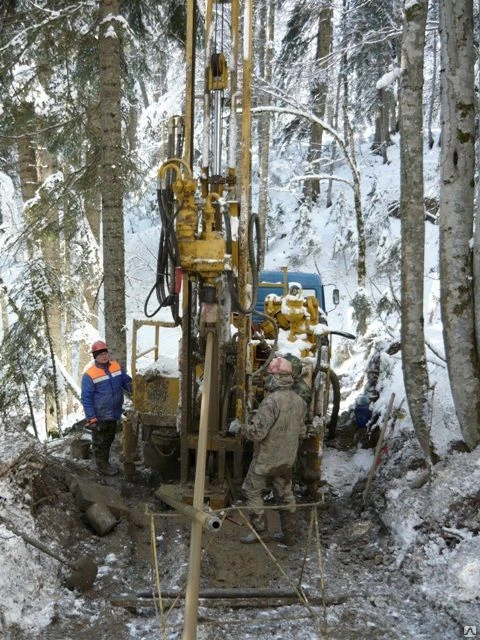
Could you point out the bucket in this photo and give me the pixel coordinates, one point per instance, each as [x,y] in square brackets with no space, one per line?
[161,451]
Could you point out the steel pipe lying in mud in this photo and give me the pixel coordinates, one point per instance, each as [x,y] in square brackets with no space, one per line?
[234,598]
[208,521]
[225,593]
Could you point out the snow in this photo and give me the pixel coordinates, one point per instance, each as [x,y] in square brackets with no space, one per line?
[30,583]
[388,78]
[419,518]
[341,470]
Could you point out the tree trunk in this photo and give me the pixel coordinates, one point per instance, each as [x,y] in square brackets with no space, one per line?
[333,156]
[415,372]
[344,73]
[93,215]
[27,169]
[319,98]
[381,137]
[351,158]
[52,392]
[357,203]
[431,141]
[109,49]
[456,213]
[268,18]
[4,308]
[53,256]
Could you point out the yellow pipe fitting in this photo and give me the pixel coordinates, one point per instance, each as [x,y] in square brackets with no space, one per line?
[209,211]
[185,189]
[187,219]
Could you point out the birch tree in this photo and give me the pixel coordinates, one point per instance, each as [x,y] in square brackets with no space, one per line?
[415,372]
[456,213]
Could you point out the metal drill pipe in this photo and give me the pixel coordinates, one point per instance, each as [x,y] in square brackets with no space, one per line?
[245,209]
[193,583]
[208,521]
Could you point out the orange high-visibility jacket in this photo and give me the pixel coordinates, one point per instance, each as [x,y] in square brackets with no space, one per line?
[102,391]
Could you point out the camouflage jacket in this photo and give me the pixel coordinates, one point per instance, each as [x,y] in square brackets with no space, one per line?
[299,384]
[276,429]
[303,390]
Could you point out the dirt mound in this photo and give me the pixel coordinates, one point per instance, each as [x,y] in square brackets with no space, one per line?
[346,562]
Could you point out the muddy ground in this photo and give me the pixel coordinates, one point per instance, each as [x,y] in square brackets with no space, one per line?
[346,569]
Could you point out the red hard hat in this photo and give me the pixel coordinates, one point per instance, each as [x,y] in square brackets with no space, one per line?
[99,345]
[280,366]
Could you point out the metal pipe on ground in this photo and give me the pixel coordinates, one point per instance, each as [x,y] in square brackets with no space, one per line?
[233,599]
[208,521]
[232,592]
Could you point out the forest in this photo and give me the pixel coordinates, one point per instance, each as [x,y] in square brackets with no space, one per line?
[86,90]
[364,165]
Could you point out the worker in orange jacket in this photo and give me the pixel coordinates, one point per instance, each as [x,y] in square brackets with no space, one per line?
[103,384]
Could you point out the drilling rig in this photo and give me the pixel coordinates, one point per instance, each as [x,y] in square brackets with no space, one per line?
[230,314]
[231,318]
[207,258]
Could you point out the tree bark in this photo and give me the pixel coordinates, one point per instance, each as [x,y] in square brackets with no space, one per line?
[109,49]
[333,156]
[4,308]
[379,145]
[93,207]
[27,170]
[319,98]
[431,141]
[414,360]
[54,257]
[268,10]
[357,202]
[456,213]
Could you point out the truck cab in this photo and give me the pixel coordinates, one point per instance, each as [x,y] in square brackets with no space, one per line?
[276,282]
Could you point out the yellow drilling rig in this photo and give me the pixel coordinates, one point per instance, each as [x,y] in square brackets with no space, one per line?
[233,318]
[229,319]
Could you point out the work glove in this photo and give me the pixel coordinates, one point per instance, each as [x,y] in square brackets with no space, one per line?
[235,427]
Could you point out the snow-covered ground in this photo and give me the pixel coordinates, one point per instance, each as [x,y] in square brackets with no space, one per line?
[434,526]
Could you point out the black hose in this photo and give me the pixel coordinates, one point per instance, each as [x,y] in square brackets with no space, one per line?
[168,258]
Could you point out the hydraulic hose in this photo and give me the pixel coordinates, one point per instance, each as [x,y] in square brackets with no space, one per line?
[168,258]
[253,259]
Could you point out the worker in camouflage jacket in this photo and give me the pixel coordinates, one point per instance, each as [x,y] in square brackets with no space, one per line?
[308,469]
[275,429]
[103,384]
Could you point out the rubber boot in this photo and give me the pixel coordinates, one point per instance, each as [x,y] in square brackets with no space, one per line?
[251,538]
[105,468]
[288,521]
[259,523]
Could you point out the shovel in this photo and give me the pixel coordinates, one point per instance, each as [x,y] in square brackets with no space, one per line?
[84,571]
